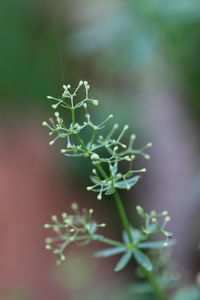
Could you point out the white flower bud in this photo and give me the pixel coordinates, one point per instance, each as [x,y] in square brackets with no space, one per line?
[167,219]
[133,137]
[149,145]
[54,218]
[165,213]
[63,150]
[95,157]
[165,244]
[48,247]
[140,210]
[62,257]
[99,197]
[88,188]
[74,206]
[64,215]
[44,123]
[126,127]
[95,102]
[47,226]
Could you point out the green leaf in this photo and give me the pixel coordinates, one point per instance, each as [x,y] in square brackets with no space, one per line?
[110,191]
[114,169]
[110,251]
[143,260]
[152,228]
[155,244]
[137,235]
[133,180]
[127,182]
[125,238]
[95,179]
[123,261]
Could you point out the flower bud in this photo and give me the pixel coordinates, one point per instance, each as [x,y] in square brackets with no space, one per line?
[95,157]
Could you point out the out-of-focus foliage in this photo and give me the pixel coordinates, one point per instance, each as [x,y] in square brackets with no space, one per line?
[43,44]
[29,59]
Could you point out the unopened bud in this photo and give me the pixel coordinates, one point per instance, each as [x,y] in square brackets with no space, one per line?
[99,197]
[95,156]
[167,219]
[165,213]
[54,218]
[48,247]
[74,206]
[47,225]
[44,123]
[91,211]
[140,210]
[126,127]
[63,150]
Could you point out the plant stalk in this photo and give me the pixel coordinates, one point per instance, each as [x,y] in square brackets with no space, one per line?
[151,278]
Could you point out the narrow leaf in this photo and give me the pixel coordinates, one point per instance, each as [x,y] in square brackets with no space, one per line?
[152,228]
[114,169]
[123,261]
[156,244]
[137,235]
[110,191]
[128,182]
[110,252]
[143,260]
[133,180]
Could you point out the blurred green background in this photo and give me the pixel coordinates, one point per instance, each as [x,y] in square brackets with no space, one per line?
[142,60]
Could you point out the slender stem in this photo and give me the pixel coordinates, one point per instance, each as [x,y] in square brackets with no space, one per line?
[81,142]
[92,138]
[73,116]
[122,212]
[155,285]
[123,215]
[101,171]
[101,239]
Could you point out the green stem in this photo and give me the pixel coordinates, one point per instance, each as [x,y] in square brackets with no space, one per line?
[155,285]
[151,278]
[81,142]
[123,215]
[101,239]
[92,138]
[101,171]
[122,212]
[73,116]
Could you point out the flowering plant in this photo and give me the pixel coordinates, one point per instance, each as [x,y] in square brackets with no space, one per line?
[106,154]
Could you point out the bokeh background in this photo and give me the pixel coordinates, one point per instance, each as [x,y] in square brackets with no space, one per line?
[142,60]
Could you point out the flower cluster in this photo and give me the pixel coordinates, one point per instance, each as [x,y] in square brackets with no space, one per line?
[115,150]
[152,224]
[78,227]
